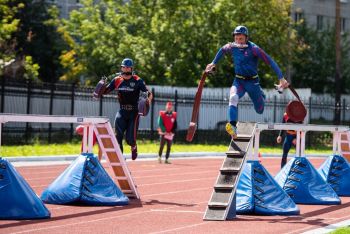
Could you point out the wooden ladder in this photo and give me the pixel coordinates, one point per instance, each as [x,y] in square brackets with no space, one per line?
[345,144]
[110,149]
[222,204]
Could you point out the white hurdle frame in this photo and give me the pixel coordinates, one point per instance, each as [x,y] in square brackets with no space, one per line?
[301,130]
[89,121]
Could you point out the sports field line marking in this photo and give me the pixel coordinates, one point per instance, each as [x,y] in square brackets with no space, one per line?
[174,174]
[177,211]
[175,181]
[82,222]
[313,230]
[329,228]
[179,228]
[171,168]
[178,191]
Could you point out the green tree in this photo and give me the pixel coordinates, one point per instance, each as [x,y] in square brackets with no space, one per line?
[314,60]
[170,41]
[37,37]
[8,25]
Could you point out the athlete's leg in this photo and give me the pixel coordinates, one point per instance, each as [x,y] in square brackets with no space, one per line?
[236,92]
[168,148]
[287,144]
[256,94]
[120,127]
[131,130]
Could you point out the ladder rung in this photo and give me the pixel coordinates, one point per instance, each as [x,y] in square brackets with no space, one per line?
[109,149]
[235,153]
[120,178]
[116,164]
[217,204]
[243,136]
[127,191]
[229,169]
[104,136]
[223,186]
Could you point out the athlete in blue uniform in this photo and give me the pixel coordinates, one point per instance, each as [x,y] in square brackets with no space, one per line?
[245,55]
[128,87]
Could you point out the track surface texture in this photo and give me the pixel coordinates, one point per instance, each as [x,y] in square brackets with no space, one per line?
[173,200]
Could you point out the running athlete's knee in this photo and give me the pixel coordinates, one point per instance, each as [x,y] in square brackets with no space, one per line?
[233,99]
[130,142]
[259,109]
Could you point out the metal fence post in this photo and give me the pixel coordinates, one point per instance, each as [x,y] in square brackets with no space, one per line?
[29,90]
[310,108]
[72,109]
[274,108]
[176,97]
[2,95]
[51,109]
[344,108]
[152,112]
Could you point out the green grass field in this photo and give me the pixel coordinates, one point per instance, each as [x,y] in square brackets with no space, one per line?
[38,149]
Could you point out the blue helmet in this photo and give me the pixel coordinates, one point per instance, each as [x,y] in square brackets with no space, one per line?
[127,62]
[240,30]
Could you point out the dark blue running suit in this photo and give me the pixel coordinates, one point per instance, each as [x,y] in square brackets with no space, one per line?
[245,62]
[127,118]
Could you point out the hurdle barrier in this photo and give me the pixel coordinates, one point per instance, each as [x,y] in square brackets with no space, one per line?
[101,127]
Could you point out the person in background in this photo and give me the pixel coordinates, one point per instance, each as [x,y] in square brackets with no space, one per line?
[289,139]
[167,126]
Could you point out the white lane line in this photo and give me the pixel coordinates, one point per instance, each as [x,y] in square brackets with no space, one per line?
[82,222]
[176,174]
[174,181]
[177,211]
[179,228]
[178,191]
[329,228]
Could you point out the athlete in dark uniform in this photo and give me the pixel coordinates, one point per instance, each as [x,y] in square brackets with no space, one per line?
[289,139]
[128,87]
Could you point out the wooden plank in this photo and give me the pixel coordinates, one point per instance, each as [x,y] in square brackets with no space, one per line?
[118,171]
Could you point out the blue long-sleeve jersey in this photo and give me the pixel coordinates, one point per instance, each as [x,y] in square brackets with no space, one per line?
[246,59]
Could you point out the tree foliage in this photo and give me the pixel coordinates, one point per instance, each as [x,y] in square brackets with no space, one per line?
[37,37]
[314,60]
[171,41]
[8,25]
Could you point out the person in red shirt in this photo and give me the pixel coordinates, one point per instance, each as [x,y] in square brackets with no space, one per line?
[167,126]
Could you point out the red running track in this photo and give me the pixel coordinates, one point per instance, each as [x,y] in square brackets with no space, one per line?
[173,200]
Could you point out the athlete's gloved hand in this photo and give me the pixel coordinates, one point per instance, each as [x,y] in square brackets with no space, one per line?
[283,84]
[279,139]
[210,69]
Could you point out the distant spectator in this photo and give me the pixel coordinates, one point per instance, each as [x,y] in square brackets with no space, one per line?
[289,139]
[167,126]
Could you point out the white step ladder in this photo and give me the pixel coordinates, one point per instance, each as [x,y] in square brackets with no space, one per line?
[111,152]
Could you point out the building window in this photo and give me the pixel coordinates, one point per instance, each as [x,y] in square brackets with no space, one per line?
[298,16]
[319,22]
[342,25]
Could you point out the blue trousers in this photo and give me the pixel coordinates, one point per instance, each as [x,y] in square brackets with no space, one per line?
[287,144]
[256,94]
[126,122]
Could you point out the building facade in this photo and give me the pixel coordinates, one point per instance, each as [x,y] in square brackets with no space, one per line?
[320,14]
